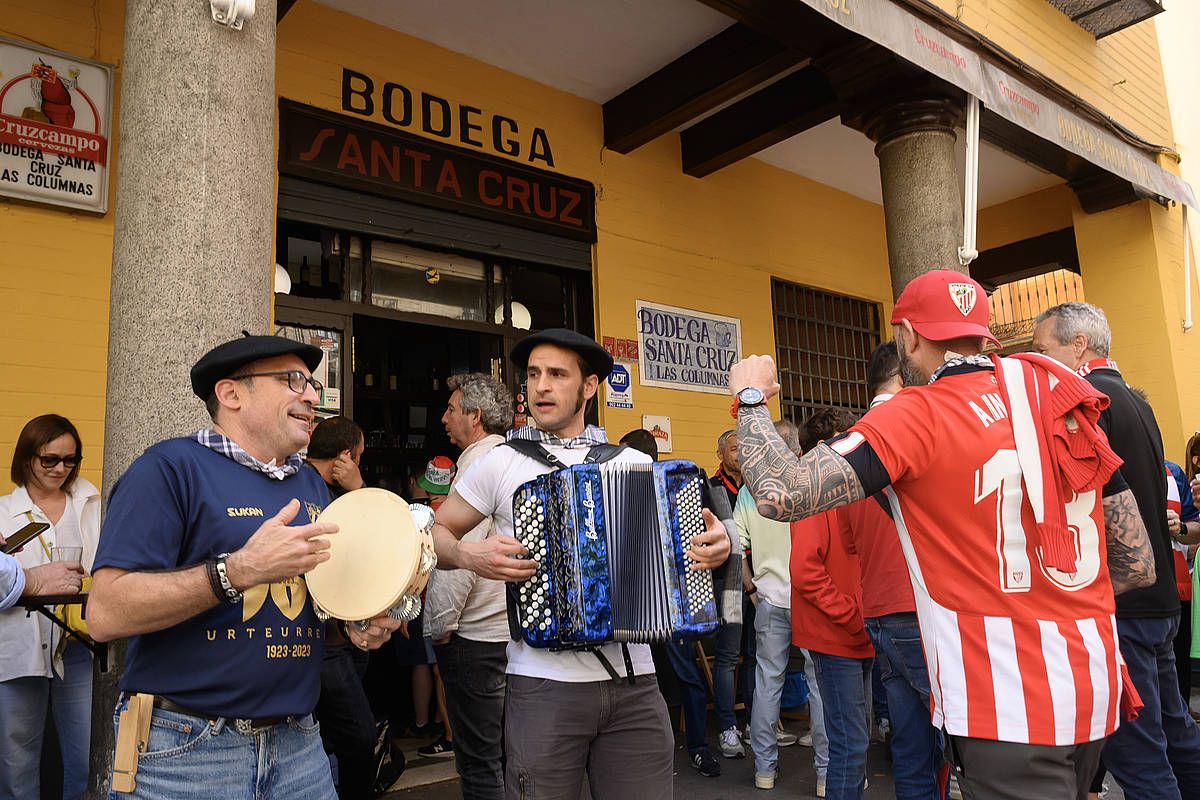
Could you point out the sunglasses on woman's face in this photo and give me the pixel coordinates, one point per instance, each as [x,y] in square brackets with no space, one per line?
[50,462]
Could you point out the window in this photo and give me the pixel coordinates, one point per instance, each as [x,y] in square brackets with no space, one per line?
[823,342]
[407,278]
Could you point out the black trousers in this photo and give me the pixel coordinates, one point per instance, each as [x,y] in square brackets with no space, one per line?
[989,770]
[347,724]
[473,676]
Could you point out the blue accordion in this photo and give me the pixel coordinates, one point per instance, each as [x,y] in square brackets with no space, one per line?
[611,541]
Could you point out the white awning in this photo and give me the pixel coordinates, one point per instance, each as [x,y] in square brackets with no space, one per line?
[1004,93]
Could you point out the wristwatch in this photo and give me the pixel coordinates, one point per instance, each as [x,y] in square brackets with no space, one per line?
[746,398]
[218,575]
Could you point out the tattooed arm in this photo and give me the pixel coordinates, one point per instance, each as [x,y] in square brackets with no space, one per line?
[1130,556]
[786,487]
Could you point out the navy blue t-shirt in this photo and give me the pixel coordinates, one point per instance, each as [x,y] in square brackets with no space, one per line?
[178,505]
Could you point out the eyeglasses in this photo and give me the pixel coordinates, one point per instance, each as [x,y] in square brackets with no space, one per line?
[50,462]
[296,380]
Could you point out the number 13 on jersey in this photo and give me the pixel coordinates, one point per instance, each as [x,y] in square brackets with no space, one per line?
[1001,477]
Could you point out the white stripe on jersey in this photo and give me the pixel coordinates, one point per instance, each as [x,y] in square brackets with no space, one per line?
[1099,668]
[847,445]
[1062,682]
[1025,435]
[938,662]
[1012,724]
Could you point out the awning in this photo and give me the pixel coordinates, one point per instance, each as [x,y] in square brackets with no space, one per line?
[1003,93]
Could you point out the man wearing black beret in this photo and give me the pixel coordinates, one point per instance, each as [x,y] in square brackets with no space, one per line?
[568,712]
[199,564]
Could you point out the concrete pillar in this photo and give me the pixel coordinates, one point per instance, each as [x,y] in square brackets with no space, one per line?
[194,233]
[922,193]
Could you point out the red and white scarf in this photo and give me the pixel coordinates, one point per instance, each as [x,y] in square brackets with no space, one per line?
[1060,446]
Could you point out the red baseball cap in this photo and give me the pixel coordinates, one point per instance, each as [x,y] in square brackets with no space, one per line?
[944,304]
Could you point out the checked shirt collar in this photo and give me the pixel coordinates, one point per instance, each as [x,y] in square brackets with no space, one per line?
[231,449]
[591,436]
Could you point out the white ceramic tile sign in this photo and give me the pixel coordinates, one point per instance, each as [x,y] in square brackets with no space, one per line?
[55,117]
[685,349]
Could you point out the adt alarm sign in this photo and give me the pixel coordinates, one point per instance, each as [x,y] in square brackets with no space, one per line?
[620,388]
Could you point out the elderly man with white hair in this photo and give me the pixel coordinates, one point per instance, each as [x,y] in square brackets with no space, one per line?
[1158,755]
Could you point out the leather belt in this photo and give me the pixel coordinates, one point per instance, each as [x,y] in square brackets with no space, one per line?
[244,726]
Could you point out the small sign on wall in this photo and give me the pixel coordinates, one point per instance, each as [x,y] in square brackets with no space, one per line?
[55,112]
[618,389]
[685,349]
[660,429]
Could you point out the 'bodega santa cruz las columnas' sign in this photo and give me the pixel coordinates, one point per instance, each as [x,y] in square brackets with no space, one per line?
[685,349]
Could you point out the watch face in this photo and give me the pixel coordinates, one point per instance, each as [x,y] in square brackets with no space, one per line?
[750,396]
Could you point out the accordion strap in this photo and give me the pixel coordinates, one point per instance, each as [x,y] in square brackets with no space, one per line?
[608,667]
[598,454]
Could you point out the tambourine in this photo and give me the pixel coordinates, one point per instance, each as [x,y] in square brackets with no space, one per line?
[379,560]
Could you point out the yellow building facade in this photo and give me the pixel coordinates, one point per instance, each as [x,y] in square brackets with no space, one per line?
[713,245]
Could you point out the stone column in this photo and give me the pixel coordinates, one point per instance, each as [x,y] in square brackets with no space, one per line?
[193,247]
[922,187]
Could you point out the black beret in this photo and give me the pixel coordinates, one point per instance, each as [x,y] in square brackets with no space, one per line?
[225,359]
[593,354]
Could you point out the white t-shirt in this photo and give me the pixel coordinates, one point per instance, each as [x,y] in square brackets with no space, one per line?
[488,486]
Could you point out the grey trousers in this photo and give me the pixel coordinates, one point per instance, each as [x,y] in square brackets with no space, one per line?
[619,734]
[990,770]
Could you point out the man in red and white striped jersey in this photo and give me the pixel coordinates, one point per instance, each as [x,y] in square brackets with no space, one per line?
[1013,572]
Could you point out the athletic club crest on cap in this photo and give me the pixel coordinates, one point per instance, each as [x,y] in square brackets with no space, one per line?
[963,295]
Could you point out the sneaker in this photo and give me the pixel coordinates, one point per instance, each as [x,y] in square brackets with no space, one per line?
[880,730]
[704,762]
[438,749]
[765,780]
[820,787]
[805,740]
[731,744]
[783,738]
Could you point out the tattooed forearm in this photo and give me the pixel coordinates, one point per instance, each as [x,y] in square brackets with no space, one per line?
[786,487]
[1130,556]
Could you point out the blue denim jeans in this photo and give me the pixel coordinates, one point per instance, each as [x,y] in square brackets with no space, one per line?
[772,639]
[190,759]
[844,683]
[816,717]
[692,691]
[23,706]
[1158,754]
[917,746]
[729,647]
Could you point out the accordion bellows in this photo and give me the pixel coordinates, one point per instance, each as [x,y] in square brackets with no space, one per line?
[611,542]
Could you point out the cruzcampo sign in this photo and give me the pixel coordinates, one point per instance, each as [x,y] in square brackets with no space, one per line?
[55,113]
[685,349]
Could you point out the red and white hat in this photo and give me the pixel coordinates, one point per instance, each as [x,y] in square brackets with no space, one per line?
[944,304]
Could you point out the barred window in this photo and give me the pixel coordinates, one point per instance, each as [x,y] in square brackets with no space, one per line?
[823,342]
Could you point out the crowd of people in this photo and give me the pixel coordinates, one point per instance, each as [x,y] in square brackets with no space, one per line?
[994,565]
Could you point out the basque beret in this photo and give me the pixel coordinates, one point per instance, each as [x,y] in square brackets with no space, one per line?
[596,357]
[225,359]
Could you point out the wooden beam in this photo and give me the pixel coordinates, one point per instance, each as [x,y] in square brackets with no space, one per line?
[282,8]
[1026,258]
[734,61]
[785,108]
[789,22]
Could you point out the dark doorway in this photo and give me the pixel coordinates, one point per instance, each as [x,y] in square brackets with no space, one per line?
[400,372]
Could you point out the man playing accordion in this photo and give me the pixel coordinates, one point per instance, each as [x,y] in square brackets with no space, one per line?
[564,713]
